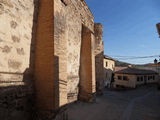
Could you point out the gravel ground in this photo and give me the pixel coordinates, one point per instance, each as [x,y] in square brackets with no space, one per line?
[142,103]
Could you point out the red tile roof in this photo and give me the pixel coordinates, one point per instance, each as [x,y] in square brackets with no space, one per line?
[119,68]
[135,71]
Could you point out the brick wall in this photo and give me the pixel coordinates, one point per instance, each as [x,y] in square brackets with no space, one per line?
[44,59]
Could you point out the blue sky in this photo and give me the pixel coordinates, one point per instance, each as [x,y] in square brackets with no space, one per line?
[129,27]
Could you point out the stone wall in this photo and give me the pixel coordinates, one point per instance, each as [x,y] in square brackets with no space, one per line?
[99,53]
[16,103]
[16,86]
[16,21]
[43,45]
[69,17]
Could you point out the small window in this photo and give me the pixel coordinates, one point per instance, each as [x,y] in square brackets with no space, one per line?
[138,79]
[125,78]
[119,77]
[142,78]
[117,86]
[106,64]
[149,77]
[153,77]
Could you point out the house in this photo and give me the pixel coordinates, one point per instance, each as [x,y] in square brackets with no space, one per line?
[132,77]
[154,67]
[109,66]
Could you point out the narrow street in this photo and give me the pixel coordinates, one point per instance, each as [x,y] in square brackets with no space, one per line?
[142,103]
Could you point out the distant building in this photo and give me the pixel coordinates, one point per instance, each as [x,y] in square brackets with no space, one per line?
[109,66]
[154,67]
[132,77]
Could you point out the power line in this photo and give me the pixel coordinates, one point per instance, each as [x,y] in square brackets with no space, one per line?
[134,57]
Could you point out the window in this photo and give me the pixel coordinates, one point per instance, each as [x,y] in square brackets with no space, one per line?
[153,77]
[119,77]
[138,79]
[141,78]
[149,77]
[106,64]
[125,78]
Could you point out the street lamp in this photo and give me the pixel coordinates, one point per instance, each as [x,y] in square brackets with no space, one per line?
[158,28]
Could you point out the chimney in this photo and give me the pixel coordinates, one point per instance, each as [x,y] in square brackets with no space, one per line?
[158,28]
[155,61]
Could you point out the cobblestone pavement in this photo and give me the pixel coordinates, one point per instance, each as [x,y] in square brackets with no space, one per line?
[142,103]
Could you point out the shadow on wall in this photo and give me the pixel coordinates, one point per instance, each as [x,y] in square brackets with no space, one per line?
[108,78]
[60,112]
[99,67]
[16,97]
[17,89]
[60,85]
[56,80]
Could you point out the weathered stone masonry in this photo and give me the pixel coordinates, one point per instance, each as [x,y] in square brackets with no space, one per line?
[52,48]
[69,21]
[16,83]
[99,55]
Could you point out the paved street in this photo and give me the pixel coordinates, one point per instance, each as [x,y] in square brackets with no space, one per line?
[142,103]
